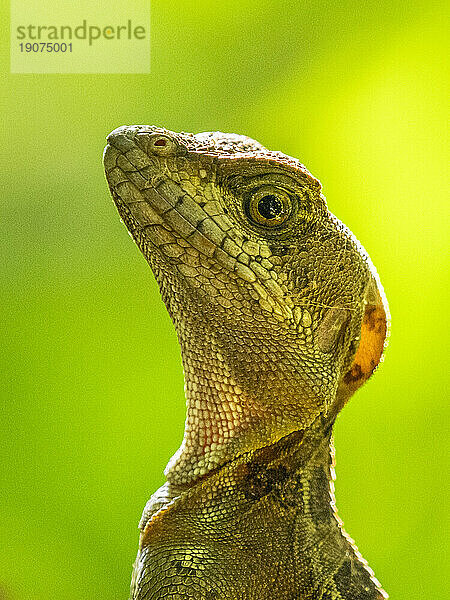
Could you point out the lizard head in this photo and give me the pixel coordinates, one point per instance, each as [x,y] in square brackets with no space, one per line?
[277,307]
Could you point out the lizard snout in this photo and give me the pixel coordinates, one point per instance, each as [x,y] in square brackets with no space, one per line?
[152,140]
[122,138]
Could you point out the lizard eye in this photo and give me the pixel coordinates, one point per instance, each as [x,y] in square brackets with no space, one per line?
[269,206]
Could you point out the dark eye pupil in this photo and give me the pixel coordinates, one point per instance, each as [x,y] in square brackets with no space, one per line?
[270,207]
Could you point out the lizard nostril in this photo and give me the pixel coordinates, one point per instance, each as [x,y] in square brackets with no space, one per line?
[159,143]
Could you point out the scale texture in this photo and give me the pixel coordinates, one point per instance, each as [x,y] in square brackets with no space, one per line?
[280,317]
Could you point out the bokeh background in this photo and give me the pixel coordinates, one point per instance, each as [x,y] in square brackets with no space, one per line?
[91,386]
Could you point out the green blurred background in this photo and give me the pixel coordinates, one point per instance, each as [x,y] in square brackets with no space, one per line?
[92,400]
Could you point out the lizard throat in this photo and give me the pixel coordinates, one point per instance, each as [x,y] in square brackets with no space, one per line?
[228,412]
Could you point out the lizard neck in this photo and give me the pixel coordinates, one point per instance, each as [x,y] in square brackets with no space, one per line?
[225,417]
[277,506]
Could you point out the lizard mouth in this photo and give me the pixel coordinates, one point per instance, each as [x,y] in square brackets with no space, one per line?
[157,211]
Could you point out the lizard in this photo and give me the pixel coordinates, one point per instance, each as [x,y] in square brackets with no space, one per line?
[281,317]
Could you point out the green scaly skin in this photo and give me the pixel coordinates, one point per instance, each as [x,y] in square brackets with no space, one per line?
[280,316]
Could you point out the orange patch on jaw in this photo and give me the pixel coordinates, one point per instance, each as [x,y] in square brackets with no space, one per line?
[373,334]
